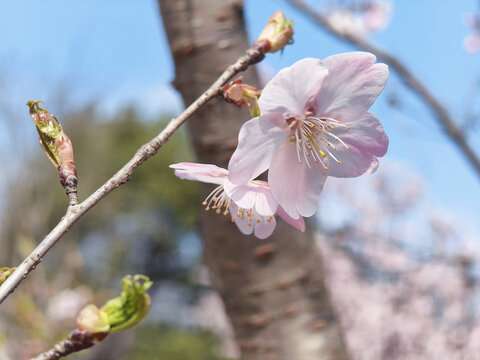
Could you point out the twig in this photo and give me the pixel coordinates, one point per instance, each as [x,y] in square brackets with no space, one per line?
[76,341]
[411,80]
[146,151]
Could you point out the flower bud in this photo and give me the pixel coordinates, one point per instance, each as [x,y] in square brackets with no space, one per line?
[131,306]
[238,93]
[55,143]
[91,319]
[277,33]
[121,312]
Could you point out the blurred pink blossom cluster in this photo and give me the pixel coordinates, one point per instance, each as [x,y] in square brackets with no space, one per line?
[314,123]
[471,42]
[402,295]
[359,18]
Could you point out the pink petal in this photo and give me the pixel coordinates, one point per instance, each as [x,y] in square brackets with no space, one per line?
[366,140]
[295,186]
[296,223]
[257,141]
[470,20]
[242,225]
[471,43]
[242,195]
[261,230]
[266,204]
[293,89]
[252,195]
[353,83]
[265,228]
[200,172]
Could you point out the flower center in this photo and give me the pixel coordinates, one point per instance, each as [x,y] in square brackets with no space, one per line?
[315,139]
[218,199]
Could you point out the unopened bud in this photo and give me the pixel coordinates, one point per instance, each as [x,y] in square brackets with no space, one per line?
[91,319]
[238,93]
[55,143]
[121,312]
[131,306]
[277,33]
[5,272]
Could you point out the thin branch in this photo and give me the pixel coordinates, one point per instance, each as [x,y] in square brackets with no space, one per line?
[442,115]
[77,340]
[146,151]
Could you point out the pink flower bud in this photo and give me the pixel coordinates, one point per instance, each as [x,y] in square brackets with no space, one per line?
[277,33]
[239,93]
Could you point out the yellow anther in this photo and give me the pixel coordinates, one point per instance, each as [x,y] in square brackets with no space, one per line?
[218,211]
[225,212]
[339,162]
[233,220]
[204,203]
[258,220]
[249,224]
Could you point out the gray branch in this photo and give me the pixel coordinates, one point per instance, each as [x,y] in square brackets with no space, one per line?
[77,340]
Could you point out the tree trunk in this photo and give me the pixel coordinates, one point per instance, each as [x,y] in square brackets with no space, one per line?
[273,290]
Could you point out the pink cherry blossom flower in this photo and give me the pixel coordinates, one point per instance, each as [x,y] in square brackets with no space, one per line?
[377,15]
[360,20]
[314,124]
[471,42]
[251,206]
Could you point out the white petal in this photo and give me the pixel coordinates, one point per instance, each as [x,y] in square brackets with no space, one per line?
[200,172]
[366,140]
[295,186]
[294,88]
[264,229]
[353,83]
[257,141]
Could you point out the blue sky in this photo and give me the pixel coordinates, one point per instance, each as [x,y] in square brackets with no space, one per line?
[115,52]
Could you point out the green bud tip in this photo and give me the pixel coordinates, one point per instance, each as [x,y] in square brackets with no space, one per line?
[5,272]
[119,313]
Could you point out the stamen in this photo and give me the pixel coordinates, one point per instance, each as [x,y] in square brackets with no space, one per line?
[218,200]
[313,138]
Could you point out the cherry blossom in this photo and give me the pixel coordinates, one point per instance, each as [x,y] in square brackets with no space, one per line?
[360,20]
[251,206]
[471,42]
[314,124]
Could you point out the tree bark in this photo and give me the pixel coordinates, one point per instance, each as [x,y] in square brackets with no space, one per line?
[273,290]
